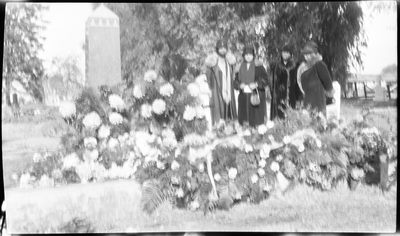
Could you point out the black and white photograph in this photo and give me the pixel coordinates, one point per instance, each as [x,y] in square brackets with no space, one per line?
[188,118]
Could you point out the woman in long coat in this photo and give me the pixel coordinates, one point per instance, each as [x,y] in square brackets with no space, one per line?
[314,79]
[251,76]
[285,91]
[220,80]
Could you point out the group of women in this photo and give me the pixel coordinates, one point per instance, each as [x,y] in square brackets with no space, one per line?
[290,83]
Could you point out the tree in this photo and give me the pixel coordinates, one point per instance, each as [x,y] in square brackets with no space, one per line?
[22,43]
[391,69]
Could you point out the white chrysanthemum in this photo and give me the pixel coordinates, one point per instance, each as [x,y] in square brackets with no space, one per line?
[170,143]
[201,167]
[254,179]
[279,158]
[150,76]
[115,118]
[179,193]
[232,173]
[90,142]
[45,181]
[247,132]
[262,163]
[261,172]
[175,165]
[270,124]
[71,160]
[145,110]
[262,129]
[37,157]
[92,120]
[116,102]
[166,90]
[275,166]
[194,205]
[193,89]
[160,165]
[138,92]
[248,148]
[200,112]
[357,173]
[264,151]
[113,143]
[104,132]
[189,113]
[94,154]
[217,177]
[67,109]
[158,106]
[287,139]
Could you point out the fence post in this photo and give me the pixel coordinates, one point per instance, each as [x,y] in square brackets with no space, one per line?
[355,85]
[388,88]
[365,91]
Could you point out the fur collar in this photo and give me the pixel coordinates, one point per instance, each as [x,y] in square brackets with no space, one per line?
[212,59]
[304,66]
[289,65]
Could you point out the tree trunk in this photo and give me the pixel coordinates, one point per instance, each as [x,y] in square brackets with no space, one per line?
[8,88]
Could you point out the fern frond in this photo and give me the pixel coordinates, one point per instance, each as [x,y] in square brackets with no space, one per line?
[153,195]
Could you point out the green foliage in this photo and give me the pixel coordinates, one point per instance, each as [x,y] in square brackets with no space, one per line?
[153,195]
[77,225]
[22,43]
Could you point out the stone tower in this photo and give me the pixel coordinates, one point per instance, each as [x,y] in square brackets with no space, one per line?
[103,52]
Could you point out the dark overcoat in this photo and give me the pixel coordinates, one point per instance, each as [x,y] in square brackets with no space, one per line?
[316,83]
[285,91]
[218,108]
[254,115]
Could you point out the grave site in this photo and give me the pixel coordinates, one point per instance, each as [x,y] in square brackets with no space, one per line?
[144,157]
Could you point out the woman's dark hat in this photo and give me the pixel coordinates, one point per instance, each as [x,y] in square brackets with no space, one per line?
[249,49]
[310,47]
[222,44]
[287,48]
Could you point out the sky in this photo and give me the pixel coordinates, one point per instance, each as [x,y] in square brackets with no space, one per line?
[65,35]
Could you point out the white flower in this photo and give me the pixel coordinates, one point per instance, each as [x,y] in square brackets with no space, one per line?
[115,118]
[104,132]
[175,165]
[138,92]
[145,110]
[116,102]
[264,152]
[357,173]
[262,129]
[248,148]
[201,167]
[232,173]
[166,90]
[92,120]
[90,142]
[318,142]
[150,76]
[246,133]
[200,112]
[94,154]
[267,188]
[189,113]
[45,181]
[67,109]
[261,172]
[275,166]
[279,158]
[262,163]
[37,157]
[71,160]
[158,106]
[170,143]
[179,193]
[300,147]
[160,165]
[194,205]
[193,89]
[270,124]
[254,179]
[113,143]
[84,172]
[287,139]
[217,177]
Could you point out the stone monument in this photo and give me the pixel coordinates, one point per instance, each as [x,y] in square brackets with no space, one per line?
[333,110]
[103,52]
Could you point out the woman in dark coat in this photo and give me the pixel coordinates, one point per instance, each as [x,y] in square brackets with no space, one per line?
[314,79]
[220,80]
[251,76]
[285,91]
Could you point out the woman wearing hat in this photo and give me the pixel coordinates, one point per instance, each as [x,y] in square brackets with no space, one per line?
[220,80]
[250,77]
[314,79]
[285,91]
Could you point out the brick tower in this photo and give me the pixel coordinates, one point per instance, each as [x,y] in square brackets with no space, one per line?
[103,52]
